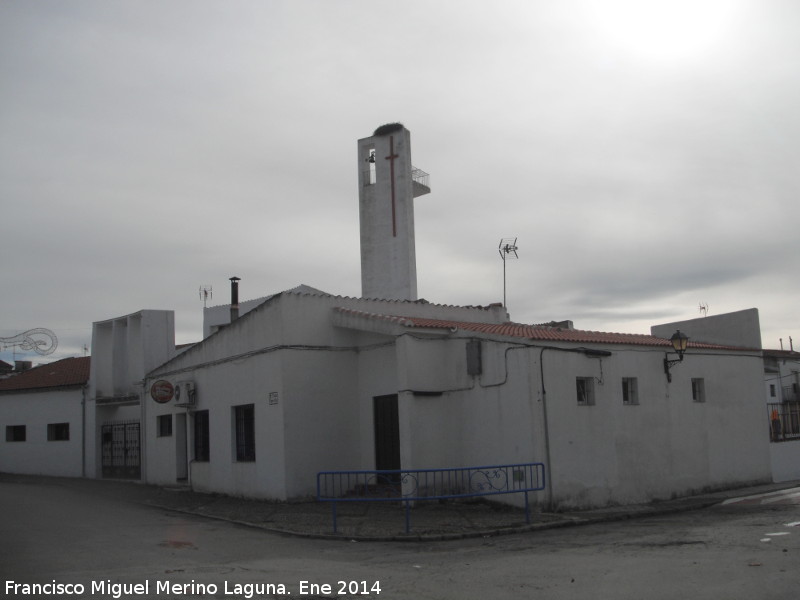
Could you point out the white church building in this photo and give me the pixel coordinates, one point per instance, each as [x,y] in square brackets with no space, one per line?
[288,385]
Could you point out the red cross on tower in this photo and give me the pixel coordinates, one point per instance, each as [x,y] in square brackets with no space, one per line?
[391,158]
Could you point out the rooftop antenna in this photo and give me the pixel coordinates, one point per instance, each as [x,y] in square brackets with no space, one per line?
[27,340]
[508,250]
[703,308]
[206,293]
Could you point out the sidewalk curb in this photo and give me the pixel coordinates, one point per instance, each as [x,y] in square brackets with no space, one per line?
[567,520]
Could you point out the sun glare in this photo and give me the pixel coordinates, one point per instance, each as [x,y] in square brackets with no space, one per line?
[661,30]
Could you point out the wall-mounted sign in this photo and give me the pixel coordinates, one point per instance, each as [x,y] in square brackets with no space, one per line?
[273,397]
[162,391]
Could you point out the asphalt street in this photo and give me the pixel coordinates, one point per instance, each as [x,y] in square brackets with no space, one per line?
[61,533]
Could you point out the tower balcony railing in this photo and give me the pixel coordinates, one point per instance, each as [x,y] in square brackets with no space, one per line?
[420,180]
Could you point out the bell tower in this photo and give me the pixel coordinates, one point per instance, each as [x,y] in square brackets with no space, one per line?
[387,186]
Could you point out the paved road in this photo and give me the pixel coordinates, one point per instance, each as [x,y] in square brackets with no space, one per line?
[54,531]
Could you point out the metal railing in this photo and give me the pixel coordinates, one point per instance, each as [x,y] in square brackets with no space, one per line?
[789,394]
[415,485]
[418,176]
[784,421]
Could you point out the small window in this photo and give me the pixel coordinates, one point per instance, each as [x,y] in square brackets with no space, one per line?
[630,391]
[698,390]
[772,390]
[371,177]
[58,432]
[585,389]
[201,441]
[15,433]
[245,425]
[164,425]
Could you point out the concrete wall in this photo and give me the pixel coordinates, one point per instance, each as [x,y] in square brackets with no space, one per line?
[36,455]
[124,349]
[238,366]
[606,453]
[477,420]
[741,328]
[386,213]
[668,444]
[785,463]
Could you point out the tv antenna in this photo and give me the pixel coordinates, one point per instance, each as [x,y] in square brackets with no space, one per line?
[206,292]
[703,308]
[30,340]
[508,250]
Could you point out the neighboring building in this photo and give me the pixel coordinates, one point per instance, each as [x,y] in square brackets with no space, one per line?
[5,369]
[782,382]
[782,376]
[42,416]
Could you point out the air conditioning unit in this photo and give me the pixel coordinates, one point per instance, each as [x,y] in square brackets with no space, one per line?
[185,393]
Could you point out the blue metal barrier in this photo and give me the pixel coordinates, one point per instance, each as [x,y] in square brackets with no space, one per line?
[415,485]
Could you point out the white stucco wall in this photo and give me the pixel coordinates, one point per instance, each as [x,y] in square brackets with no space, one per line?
[785,461]
[740,328]
[124,349]
[386,215]
[324,373]
[667,445]
[37,455]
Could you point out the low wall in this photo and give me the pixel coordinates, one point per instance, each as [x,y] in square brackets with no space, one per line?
[785,461]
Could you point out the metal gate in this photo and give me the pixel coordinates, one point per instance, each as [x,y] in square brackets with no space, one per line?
[121,450]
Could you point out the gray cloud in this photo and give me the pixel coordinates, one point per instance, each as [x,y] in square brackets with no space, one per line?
[149,148]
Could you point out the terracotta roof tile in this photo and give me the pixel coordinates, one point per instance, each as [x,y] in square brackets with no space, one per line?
[534,332]
[61,373]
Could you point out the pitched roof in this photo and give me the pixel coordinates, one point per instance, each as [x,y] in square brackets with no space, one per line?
[66,372]
[545,333]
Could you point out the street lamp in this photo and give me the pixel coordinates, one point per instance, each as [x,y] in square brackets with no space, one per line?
[679,342]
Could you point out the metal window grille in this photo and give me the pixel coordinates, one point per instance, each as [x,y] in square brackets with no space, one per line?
[784,421]
[629,391]
[164,425]
[585,390]
[201,438]
[245,433]
[698,390]
[57,432]
[15,433]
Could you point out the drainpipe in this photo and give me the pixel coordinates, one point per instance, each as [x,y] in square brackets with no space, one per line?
[234,298]
[83,431]
[548,472]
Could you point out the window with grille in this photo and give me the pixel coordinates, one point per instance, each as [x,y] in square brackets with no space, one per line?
[585,390]
[201,440]
[698,390]
[164,425]
[57,432]
[245,425]
[15,433]
[630,391]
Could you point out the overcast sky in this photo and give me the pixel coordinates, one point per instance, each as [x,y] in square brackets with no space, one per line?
[645,155]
